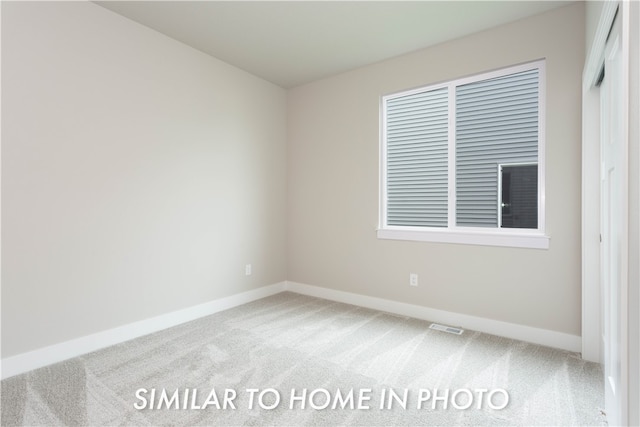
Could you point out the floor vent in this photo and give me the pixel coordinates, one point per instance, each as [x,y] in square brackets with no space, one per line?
[444,328]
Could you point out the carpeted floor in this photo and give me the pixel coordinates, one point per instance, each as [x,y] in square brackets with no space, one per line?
[341,355]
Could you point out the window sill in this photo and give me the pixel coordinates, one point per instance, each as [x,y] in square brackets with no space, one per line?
[533,240]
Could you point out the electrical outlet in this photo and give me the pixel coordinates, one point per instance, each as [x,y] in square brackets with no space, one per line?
[247,270]
[413,279]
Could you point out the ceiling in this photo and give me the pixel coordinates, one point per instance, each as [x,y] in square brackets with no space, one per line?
[294,42]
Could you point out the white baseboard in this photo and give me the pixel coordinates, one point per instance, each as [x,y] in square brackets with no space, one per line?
[58,352]
[544,337]
[25,362]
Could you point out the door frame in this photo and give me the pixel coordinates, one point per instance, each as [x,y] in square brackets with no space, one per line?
[615,225]
[592,347]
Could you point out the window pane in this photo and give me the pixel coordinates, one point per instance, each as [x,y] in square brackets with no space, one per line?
[417,159]
[496,122]
[519,196]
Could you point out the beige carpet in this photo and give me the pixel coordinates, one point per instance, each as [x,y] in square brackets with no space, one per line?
[292,342]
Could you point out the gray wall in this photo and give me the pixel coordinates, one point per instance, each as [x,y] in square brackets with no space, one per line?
[139,175]
[333,176]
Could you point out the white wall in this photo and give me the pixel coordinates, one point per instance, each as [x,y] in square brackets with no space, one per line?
[333,170]
[138,175]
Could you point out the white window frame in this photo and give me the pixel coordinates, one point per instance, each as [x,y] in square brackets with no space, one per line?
[512,237]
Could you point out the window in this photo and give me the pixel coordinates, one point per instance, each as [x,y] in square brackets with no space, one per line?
[463,161]
[518,190]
